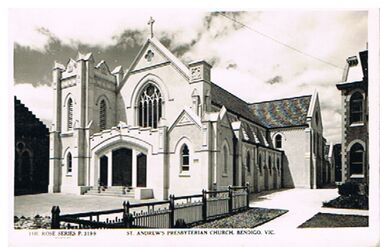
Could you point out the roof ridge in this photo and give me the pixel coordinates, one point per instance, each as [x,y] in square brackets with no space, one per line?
[231,94]
[289,98]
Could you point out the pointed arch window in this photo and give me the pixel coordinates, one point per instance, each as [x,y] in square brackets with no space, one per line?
[150,106]
[270,165]
[103,115]
[225,160]
[356,159]
[260,164]
[69,114]
[356,108]
[278,141]
[69,163]
[185,158]
[248,162]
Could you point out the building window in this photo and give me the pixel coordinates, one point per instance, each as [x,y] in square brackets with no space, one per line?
[278,164]
[150,107]
[248,162]
[103,115]
[69,164]
[356,159]
[69,114]
[270,165]
[225,160]
[185,159]
[356,108]
[260,164]
[278,141]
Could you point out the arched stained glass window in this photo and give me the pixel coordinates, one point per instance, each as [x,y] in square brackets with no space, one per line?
[225,159]
[278,141]
[69,165]
[248,162]
[103,115]
[185,158]
[150,107]
[69,114]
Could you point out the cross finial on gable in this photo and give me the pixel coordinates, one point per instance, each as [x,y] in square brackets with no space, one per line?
[150,22]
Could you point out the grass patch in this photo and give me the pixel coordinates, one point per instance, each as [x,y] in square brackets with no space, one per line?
[324,220]
[248,219]
[348,201]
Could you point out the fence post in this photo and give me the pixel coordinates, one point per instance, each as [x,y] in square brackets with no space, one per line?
[127,216]
[171,211]
[55,222]
[204,205]
[247,191]
[229,199]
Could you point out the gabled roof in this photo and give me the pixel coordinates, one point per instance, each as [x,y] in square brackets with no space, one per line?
[234,104]
[282,113]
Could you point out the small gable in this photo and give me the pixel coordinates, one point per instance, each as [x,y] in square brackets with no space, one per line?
[103,68]
[186,118]
[150,56]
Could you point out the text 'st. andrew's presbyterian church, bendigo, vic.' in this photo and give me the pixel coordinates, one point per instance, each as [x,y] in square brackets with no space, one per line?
[163,127]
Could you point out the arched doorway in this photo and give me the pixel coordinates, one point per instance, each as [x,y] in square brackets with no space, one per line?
[141,170]
[122,167]
[104,170]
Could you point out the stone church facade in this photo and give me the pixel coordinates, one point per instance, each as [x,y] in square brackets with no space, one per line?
[163,127]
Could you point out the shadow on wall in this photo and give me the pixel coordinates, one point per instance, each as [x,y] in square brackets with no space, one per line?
[287,179]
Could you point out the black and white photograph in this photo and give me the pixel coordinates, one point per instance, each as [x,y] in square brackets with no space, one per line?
[231,126]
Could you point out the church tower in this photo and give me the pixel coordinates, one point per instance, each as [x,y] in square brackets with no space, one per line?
[84,103]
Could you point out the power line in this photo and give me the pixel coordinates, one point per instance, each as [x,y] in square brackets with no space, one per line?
[280,42]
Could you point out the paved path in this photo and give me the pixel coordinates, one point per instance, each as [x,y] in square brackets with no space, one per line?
[31,205]
[301,203]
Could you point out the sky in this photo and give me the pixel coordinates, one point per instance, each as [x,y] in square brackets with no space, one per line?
[263,55]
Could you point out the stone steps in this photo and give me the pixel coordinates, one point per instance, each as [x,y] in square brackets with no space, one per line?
[111,191]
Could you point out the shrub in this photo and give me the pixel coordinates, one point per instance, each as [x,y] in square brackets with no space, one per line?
[349,188]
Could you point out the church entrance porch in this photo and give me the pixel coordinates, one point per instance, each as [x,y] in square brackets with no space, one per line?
[122,167]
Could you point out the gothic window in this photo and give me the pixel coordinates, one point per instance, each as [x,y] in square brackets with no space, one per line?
[185,158]
[103,115]
[356,159]
[69,165]
[150,107]
[248,162]
[356,108]
[278,141]
[260,164]
[69,114]
[225,160]
[270,165]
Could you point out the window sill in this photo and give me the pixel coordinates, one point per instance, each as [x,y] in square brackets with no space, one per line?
[70,133]
[224,175]
[69,174]
[184,174]
[357,176]
[358,124]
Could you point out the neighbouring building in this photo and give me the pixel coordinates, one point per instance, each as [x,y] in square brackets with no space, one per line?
[31,170]
[354,91]
[163,127]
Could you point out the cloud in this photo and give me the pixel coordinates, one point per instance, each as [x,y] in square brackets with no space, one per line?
[245,62]
[276,79]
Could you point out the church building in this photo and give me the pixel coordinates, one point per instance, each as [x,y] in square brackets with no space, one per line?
[163,127]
